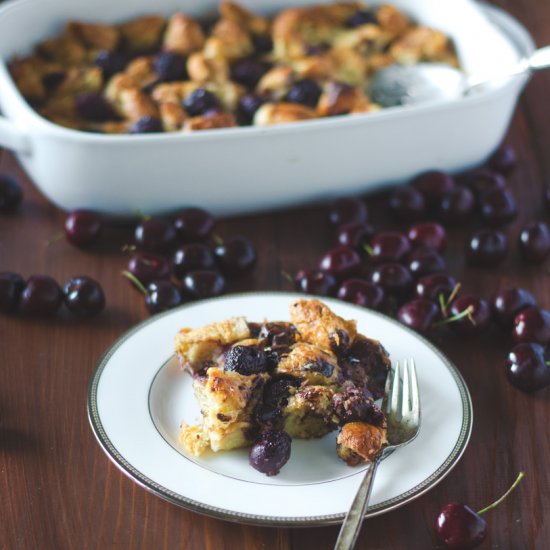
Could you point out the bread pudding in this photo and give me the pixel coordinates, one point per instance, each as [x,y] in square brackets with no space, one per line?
[260,385]
[153,74]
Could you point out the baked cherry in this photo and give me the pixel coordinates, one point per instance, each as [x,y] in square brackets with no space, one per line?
[262,43]
[193,224]
[11,194]
[247,107]
[418,314]
[83,227]
[361,292]
[532,325]
[270,452]
[469,315]
[246,360]
[407,204]
[433,185]
[306,91]
[361,17]
[41,296]
[507,303]
[199,101]
[146,125]
[389,246]
[486,248]
[147,267]
[534,242]
[11,286]
[235,256]
[503,160]
[428,234]
[170,66]
[527,367]
[155,235]
[424,260]
[84,296]
[203,283]
[348,210]
[394,278]
[483,180]
[248,71]
[110,62]
[341,262]
[190,257]
[313,281]
[356,235]
[456,206]
[93,106]
[436,287]
[162,295]
[498,207]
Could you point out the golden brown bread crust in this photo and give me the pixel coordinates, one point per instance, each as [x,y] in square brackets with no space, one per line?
[359,442]
[280,113]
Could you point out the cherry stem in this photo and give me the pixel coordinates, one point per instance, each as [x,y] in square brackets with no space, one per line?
[131,248]
[466,313]
[287,275]
[135,281]
[368,249]
[497,502]
[443,305]
[55,238]
[217,239]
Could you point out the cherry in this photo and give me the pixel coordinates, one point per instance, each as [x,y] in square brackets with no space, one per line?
[270,452]
[203,283]
[433,185]
[432,287]
[306,91]
[262,43]
[348,210]
[498,207]
[341,262]
[507,303]
[362,17]
[389,247]
[312,281]
[11,194]
[147,267]
[155,235]
[83,296]
[190,257]
[11,286]
[246,360]
[459,527]
[356,235]
[503,160]
[394,278]
[146,125]
[469,315]
[193,224]
[247,107]
[424,260]
[41,296]
[532,325]
[169,66]
[162,295]
[418,314]
[110,62]
[93,106]
[428,234]
[200,101]
[481,181]
[235,256]
[534,242]
[362,293]
[83,227]
[527,368]
[407,204]
[487,247]
[456,206]
[248,72]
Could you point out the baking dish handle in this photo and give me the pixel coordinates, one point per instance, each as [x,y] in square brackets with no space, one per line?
[12,137]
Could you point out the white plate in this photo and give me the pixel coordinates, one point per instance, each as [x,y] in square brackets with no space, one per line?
[138,397]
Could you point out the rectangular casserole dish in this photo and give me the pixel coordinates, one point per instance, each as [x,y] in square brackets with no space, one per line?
[239,170]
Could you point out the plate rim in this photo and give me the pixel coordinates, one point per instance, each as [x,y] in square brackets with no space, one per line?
[274,521]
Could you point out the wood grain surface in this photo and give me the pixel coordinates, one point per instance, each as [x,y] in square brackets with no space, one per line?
[59,491]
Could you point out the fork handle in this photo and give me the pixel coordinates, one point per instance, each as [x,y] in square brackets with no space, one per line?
[356,514]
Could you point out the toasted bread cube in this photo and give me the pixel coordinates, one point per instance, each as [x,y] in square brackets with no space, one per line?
[202,69]
[183,35]
[94,35]
[172,116]
[228,41]
[279,113]
[66,50]
[217,120]
[142,34]
[253,23]
[359,442]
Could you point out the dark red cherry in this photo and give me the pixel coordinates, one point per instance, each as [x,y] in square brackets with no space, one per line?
[481,181]
[431,287]
[362,17]
[147,267]
[190,257]
[389,246]
[356,235]
[306,91]
[487,248]
[424,260]
[394,278]
[247,107]
[532,325]
[534,242]
[433,185]
[507,303]
[170,66]
[83,227]
[419,314]
[203,284]
[110,62]
[270,452]
[348,210]
[498,207]
[41,296]
[11,194]
[93,106]
[155,235]
[146,125]
[11,286]
[313,281]
[527,368]
[162,295]
[193,224]
[428,234]
[248,72]
[200,101]
[235,256]
[362,293]
[456,206]
[459,527]
[477,319]
[341,262]
[503,160]
[84,296]
[407,204]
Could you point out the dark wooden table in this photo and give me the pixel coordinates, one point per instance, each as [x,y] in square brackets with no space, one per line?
[59,491]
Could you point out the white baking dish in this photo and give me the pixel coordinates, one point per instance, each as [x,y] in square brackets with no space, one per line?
[241,169]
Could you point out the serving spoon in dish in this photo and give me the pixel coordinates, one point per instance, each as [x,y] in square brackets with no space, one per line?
[424,82]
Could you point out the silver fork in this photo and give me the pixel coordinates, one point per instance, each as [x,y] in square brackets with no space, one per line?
[402,407]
